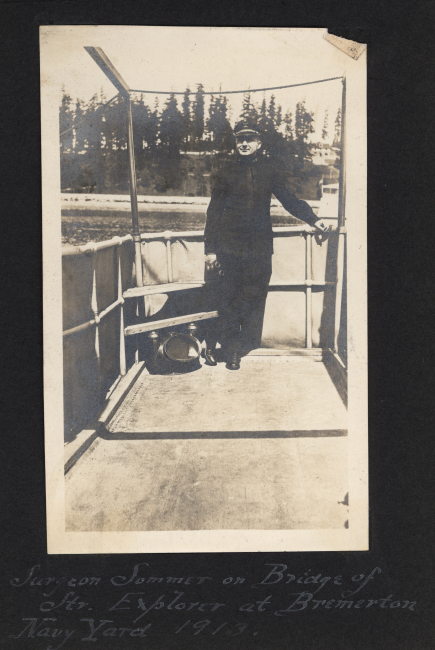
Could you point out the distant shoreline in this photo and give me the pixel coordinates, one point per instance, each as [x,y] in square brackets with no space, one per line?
[121,202]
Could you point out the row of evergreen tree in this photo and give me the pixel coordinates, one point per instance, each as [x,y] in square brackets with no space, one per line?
[84,126]
[161,134]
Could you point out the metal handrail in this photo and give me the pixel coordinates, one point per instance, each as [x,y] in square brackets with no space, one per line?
[92,247]
[168,235]
[276,230]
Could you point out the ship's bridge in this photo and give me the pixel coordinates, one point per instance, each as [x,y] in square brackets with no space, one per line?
[151,448]
[156,443]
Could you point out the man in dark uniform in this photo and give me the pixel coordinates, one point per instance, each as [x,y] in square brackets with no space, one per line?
[239,243]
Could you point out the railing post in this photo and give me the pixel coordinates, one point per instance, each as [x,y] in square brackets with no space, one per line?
[155,340]
[122,359]
[147,300]
[94,307]
[133,196]
[308,285]
[339,286]
[341,221]
[168,238]
[136,338]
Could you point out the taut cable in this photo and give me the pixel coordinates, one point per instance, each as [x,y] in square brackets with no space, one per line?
[233,92]
[88,117]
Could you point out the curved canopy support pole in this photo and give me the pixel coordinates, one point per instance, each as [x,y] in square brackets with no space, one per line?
[94,307]
[341,222]
[133,195]
[308,285]
[122,358]
[112,73]
[140,304]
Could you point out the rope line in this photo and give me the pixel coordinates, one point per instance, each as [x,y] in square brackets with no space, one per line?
[88,117]
[233,92]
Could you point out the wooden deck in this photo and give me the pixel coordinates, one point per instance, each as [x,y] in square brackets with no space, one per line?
[261,448]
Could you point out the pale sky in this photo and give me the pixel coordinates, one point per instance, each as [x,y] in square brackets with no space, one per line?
[170,58]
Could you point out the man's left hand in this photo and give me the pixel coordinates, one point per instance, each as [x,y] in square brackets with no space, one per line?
[321,225]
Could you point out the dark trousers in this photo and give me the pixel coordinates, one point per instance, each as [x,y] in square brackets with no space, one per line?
[239,294]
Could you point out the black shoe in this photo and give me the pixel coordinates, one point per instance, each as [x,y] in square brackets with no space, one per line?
[233,361]
[209,356]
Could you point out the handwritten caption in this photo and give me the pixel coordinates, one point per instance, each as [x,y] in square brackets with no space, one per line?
[132,598]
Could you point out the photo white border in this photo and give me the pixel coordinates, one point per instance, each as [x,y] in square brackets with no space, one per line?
[355,538]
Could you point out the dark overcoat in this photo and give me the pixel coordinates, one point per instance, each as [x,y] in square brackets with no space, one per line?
[238,216]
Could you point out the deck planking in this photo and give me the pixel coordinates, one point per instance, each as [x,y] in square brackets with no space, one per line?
[263,448]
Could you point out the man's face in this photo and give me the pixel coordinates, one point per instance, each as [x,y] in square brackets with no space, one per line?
[247,144]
